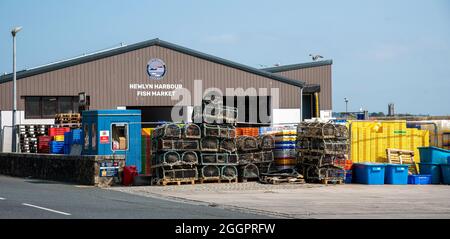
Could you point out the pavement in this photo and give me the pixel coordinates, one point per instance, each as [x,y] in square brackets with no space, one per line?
[351,201]
[40,199]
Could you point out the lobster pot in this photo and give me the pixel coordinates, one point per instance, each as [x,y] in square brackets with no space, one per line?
[328,172]
[209,144]
[174,174]
[284,153]
[189,157]
[229,172]
[228,145]
[211,130]
[191,131]
[266,142]
[267,156]
[167,131]
[215,158]
[257,157]
[218,113]
[321,160]
[210,171]
[245,158]
[329,146]
[303,144]
[247,143]
[322,130]
[265,167]
[187,144]
[163,145]
[249,171]
[168,158]
[232,158]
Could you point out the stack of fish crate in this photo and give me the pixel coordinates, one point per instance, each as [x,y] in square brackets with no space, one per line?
[57,144]
[255,155]
[28,137]
[284,152]
[175,153]
[70,120]
[322,150]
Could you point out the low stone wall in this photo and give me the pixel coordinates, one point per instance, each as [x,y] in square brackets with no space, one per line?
[84,169]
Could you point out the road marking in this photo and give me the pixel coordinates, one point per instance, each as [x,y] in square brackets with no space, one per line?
[47,209]
[2,198]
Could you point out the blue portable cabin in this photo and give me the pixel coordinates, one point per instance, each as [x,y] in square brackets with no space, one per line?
[113,132]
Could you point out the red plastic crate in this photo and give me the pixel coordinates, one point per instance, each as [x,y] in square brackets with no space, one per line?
[58,131]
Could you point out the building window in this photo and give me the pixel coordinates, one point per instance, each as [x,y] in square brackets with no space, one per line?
[86,136]
[119,136]
[45,107]
[32,107]
[251,109]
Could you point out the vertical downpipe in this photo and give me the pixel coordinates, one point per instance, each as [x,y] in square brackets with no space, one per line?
[316,94]
[301,104]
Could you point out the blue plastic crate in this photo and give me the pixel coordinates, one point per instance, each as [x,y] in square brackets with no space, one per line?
[73,137]
[56,147]
[396,174]
[285,145]
[445,170]
[369,173]
[432,169]
[419,179]
[433,155]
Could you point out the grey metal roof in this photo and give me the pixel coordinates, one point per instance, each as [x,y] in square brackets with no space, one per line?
[154,42]
[297,66]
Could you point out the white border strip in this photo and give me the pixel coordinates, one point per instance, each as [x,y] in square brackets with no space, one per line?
[47,209]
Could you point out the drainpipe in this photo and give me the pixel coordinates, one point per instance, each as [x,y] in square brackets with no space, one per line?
[317,105]
[301,104]
[436,140]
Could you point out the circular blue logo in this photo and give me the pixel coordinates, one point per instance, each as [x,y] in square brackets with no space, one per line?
[156,69]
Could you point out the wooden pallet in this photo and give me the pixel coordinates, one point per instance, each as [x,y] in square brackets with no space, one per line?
[288,180]
[331,181]
[217,180]
[165,182]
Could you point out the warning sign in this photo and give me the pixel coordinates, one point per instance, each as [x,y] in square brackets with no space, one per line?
[104,136]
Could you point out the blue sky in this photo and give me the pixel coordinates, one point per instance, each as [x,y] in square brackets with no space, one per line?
[383,51]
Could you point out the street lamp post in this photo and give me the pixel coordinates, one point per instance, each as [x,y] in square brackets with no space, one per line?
[346,105]
[14,138]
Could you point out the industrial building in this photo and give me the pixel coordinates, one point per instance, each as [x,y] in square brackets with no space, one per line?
[144,76]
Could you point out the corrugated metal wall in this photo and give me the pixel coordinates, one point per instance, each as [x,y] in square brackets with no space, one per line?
[315,75]
[107,80]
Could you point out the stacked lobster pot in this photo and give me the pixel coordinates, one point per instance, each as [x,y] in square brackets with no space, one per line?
[255,155]
[322,150]
[175,153]
[284,152]
[218,158]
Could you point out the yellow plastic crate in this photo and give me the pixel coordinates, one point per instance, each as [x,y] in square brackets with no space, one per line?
[59,138]
[370,139]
